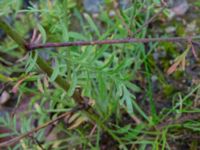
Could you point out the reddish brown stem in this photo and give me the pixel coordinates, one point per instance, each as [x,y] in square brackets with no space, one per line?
[117,41]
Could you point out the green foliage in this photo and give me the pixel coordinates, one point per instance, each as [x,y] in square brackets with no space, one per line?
[107,74]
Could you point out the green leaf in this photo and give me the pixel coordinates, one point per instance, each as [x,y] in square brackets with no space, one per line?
[132,86]
[31,62]
[56,71]
[102,86]
[125,63]
[65,32]
[43,33]
[73,84]
[77,36]
[127,99]
[107,63]
[92,24]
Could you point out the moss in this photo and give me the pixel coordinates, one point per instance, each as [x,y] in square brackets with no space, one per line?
[178,74]
[168,89]
[180,30]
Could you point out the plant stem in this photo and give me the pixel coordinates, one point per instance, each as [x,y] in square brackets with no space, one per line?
[115,41]
[12,33]
[40,62]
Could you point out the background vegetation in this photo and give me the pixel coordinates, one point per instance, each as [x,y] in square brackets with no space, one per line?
[120,96]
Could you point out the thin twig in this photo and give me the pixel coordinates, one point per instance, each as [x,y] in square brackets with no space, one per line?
[116,41]
[149,21]
[180,120]
[18,138]
[12,33]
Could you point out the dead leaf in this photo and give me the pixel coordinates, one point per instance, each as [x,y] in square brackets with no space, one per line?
[5,96]
[183,63]
[173,68]
[194,52]
[78,122]
[39,85]
[180,60]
